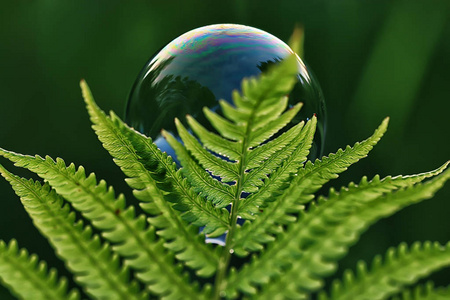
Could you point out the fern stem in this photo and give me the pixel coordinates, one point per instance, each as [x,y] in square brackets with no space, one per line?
[224,261]
[225,257]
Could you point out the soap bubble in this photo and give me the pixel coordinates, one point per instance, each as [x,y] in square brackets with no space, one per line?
[205,65]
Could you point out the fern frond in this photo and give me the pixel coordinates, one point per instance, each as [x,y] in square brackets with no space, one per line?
[258,108]
[265,152]
[227,129]
[93,264]
[279,180]
[310,247]
[132,239]
[258,115]
[314,176]
[258,162]
[260,135]
[228,171]
[267,158]
[300,190]
[29,278]
[400,267]
[156,181]
[219,193]
[215,142]
[424,292]
[255,117]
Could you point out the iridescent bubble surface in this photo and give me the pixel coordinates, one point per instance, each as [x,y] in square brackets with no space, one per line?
[205,65]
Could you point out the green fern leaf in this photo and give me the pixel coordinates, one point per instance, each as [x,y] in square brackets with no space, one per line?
[309,248]
[228,171]
[246,166]
[132,240]
[256,118]
[220,194]
[227,129]
[299,191]
[279,180]
[257,115]
[314,176]
[30,279]
[260,135]
[424,292]
[257,109]
[264,160]
[152,174]
[251,118]
[215,142]
[258,163]
[93,264]
[401,266]
[265,152]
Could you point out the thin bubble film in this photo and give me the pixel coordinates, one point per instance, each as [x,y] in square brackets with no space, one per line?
[205,65]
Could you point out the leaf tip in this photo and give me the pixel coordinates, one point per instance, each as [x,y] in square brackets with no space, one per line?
[384,125]
[83,84]
[85,91]
[3,170]
[297,38]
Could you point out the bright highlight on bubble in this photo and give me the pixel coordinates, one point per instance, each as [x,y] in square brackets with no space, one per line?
[205,65]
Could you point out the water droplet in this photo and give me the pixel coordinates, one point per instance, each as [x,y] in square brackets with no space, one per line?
[203,66]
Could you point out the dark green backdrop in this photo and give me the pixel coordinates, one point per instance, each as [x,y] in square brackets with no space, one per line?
[373,59]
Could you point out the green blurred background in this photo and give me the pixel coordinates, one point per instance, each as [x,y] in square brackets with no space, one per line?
[372,58]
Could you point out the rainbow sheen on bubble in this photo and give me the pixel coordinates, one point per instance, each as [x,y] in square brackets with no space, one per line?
[205,65]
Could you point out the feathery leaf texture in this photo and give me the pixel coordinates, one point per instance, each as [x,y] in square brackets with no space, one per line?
[425,292]
[309,248]
[253,167]
[29,278]
[400,267]
[245,129]
[91,261]
[152,175]
[300,191]
[132,238]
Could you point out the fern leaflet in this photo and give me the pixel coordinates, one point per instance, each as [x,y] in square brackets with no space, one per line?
[150,174]
[30,279]
[401,266]
[132,240]
[425,292]
[220,194]
[256,117]
[298,192]
[92,262]
[245,169]
[309,248]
